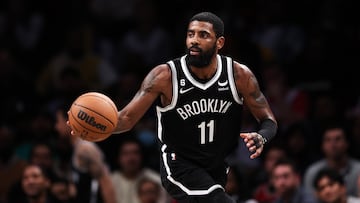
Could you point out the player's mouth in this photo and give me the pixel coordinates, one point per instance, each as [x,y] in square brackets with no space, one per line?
[194,51]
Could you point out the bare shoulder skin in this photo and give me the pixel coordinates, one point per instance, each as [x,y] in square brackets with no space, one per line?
[156,83]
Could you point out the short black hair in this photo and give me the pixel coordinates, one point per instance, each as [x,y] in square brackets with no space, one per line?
[41,143]
[334,125]
[43,171]
[144,180]
[217,23]
[287,162]
[130,139]
[330,173]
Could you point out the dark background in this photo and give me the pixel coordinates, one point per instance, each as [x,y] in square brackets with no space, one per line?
[52,51]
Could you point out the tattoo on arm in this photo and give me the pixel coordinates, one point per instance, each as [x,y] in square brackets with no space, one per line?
[255,92]
[147,85]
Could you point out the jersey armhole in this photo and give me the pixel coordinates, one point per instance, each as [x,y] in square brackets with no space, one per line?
[230,67]
[174,82]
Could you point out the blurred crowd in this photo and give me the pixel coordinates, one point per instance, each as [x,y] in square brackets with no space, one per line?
[304,54]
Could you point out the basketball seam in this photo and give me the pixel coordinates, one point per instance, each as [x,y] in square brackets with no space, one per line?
[106,100]
[95,112]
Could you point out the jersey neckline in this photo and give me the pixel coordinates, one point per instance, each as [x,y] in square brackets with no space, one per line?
[195,82]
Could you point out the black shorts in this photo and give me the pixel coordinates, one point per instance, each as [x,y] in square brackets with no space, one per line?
[187,182]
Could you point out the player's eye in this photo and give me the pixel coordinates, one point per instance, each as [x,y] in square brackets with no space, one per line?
[190,34]
[204,34]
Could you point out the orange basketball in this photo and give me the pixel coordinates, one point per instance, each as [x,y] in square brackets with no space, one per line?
[93,116]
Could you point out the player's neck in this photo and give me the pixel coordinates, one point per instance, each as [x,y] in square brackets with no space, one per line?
[205,73]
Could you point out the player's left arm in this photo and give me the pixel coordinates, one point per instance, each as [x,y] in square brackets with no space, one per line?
[248,87]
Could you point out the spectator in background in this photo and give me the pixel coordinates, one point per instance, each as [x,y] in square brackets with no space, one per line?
[42,155]
[63,190]
[40,129]
[131,170]
[296,144]
[335,149]
[88,169]
[25,30]
[290,104]
[147,43]
[264,192]
[323,111]
[235,188]
[36,185]
[330,187]
[94,71]
[11,167]
[149,191]
[287,183]
[17,99]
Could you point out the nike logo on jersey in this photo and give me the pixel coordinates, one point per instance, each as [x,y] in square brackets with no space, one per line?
[222,84]
[183,91]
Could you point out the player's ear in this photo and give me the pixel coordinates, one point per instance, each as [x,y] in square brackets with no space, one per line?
[220,42]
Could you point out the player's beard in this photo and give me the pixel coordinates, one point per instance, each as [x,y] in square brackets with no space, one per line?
[203,59]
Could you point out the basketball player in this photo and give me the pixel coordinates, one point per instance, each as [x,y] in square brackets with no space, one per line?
[201,96]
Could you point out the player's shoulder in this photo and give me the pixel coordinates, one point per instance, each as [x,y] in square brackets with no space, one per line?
[161,71]
[241,70]
[240,66]
[159,77]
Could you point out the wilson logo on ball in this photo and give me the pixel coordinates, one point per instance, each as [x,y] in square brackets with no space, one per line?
[90,120]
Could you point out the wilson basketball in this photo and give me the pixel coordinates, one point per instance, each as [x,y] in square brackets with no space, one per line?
[93,116]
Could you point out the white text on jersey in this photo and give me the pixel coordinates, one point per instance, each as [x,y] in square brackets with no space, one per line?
[203,106]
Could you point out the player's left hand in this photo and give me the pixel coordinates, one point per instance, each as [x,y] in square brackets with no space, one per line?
[254,142]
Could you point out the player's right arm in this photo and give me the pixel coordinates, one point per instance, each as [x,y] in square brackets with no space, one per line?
[156,83]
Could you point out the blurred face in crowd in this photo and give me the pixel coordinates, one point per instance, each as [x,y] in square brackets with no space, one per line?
[130,158]
[63,191]
[334,143]
[34,182]
[271,157]
[285,180]
[149,192]
[41,155]
[329,191]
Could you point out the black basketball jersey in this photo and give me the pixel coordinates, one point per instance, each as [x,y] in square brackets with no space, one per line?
[202,123]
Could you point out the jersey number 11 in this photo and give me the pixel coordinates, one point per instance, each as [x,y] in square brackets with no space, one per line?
[206,128]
